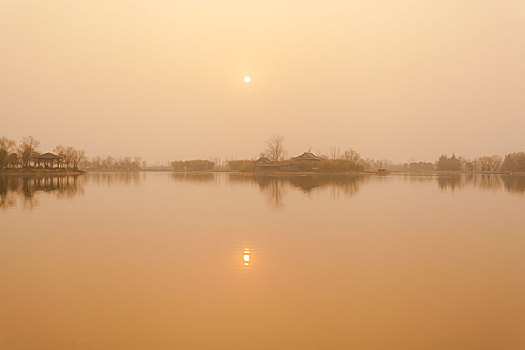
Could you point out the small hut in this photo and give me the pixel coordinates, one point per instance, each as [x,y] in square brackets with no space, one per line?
[264,163]
[306,162]
[48,160]
[307,156]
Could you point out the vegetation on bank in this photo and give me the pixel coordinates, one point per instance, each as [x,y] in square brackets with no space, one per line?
[22,156]
[350,160]
[512,162]
[113,164]
[324,165]
[193,165]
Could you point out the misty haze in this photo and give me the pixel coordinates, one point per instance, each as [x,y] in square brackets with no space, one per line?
[262,175]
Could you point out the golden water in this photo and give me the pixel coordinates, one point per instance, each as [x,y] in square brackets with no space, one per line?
[220,261]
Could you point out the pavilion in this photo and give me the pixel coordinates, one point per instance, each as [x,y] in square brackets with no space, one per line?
[48,160]
[308,156]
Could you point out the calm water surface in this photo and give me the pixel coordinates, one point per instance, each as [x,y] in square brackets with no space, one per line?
[222,261]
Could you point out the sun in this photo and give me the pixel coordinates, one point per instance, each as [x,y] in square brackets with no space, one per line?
[247,79]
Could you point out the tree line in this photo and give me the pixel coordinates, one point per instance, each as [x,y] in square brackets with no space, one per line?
[275,151]
[110,163]
[350,160]
[512,162]
[193,165]
[22,154]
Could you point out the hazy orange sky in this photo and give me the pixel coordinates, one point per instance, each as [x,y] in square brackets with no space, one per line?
[163,79]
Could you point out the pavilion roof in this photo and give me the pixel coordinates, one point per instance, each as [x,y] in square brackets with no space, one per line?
[47,156]
[307,156]
[264,160]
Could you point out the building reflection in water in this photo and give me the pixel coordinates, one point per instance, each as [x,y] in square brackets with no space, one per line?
[26,188]
[276,186]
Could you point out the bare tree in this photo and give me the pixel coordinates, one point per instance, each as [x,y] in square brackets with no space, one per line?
[335,152]
[351,155]
[495,162]
[275,148]
[13,161]
[78,156]
[61,152]
[27,150]
[6,147]
[491,163]
[70,156]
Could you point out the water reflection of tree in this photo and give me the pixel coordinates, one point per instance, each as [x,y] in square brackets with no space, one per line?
[194,177]
[494,182]
[514,183]
[485,181]
[26,188]
[450,182]
[124,178]
[276,186]
[346,184]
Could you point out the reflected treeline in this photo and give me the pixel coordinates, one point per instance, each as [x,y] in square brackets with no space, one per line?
[123,178]
[452,182]
[514,183]
[25,188]
[276,186]
[194,177]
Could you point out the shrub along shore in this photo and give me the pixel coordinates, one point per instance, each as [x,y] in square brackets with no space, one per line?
[24,157]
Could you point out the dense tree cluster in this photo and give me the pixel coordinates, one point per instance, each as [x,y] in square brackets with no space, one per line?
[492,163]
[445,163]
[514,162]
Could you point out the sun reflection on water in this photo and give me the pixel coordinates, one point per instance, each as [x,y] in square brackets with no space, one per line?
[246,257]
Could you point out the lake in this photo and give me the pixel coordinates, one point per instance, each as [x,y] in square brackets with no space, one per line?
[231,261]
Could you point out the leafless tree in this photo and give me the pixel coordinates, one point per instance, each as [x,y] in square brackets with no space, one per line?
[70,156]
[61,151]
[351,155]
[6,147]
[491,163]
[495,162]
[13,161]
[27,150]
[275,148]
[78,156]
[335,152]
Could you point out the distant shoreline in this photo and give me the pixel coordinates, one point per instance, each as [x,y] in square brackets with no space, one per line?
[427,173]
[245,173]
[272,173]
[41,172]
